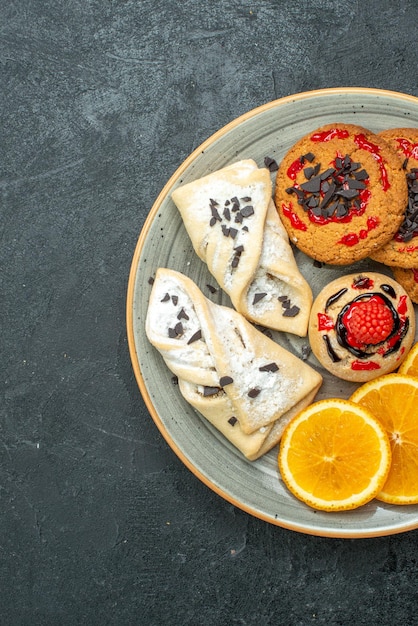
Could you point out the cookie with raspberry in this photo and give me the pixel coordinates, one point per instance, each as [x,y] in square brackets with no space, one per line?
[408,278]
[341,193]
[402,249]
[362,326]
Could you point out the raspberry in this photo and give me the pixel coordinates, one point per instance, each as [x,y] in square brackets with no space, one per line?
[368,322]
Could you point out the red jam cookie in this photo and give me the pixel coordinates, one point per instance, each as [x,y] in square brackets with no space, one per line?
[402,249]
[362,326]
[341,193]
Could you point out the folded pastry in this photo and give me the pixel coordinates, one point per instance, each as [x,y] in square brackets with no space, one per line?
[235,229]
[243,382]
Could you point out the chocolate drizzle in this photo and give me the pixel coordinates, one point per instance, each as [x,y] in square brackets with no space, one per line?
[331,352]
[336,296]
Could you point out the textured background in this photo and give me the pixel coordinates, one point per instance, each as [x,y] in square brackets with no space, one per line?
[100,102]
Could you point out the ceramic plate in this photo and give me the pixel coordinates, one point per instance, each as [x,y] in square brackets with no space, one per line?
[255,487]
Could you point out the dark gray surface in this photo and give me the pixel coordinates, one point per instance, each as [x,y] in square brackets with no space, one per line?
[100,103]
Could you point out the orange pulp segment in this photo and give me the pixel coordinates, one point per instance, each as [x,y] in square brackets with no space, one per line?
[393,399]
[334,455]
[410,364]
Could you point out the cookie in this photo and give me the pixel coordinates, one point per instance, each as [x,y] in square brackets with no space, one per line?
[341,193]
[402,249]
[408,278]
[362,326]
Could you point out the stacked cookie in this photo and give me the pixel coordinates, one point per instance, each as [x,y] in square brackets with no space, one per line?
[345,193]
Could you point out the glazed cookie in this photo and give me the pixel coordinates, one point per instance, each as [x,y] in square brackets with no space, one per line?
[408,278]
[402,249]
[362,326]
[341,193]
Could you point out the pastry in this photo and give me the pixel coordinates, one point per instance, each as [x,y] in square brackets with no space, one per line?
[244,383]
[234,227]
[341,193]
[408,278]
[402,249]
[362,326]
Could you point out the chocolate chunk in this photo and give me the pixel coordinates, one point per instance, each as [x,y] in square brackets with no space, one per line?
[212,221]
[270,367]
[309,157]
[235,261]
[313,185]
[328,195]
[150,280]
[225,230]
[327,173]
[210,391]
[247,211]
[176,332]
[175,380]
[195,337]
[347,193]
[175,300]
[258,297]
[292,311]
[225,380]
[211,288]
[306,351]
[233,232]
[361,175]
[215,214]
[232,420]
[246,199]
[253,393]
[227,214]
[355,184]
[271,164]
[166,298]
[182,315]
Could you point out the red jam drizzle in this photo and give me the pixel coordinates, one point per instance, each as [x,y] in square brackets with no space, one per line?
[327,135]
[294,219]
[409,149]
[364,144]
[325,322]
[402,306]
[408,249]
[367,366]
[352,239]
[294,168]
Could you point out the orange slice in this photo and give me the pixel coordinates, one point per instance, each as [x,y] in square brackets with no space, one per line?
[335,455]
[410,365]
[393,399]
